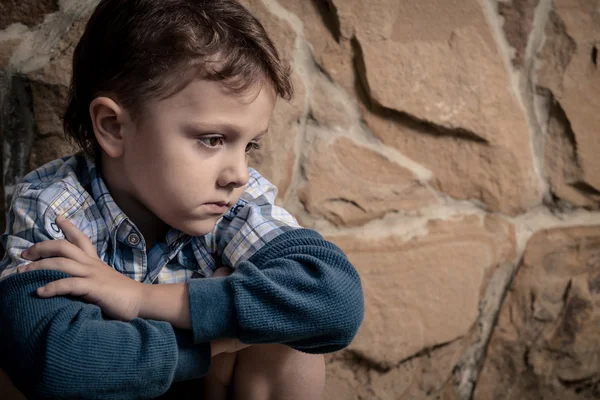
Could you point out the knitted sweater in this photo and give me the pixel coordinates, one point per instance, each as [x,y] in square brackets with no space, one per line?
[299,290]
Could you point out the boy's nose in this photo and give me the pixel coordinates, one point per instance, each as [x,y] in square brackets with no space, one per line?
[235,174]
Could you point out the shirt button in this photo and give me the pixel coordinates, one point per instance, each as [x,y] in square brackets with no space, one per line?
[133,239]
[55,228]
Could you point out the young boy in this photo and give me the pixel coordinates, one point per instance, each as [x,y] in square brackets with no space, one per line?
[155,255]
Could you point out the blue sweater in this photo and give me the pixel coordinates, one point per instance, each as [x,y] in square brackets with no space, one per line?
[299,290]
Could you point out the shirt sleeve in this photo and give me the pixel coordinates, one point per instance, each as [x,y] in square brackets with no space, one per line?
[289,286]
[24,228]
[250,224]
[299,290]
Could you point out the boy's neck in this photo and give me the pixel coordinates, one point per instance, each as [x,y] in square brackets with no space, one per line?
[150,226]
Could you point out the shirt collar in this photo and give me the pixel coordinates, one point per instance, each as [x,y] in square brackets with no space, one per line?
[110,211]
[116,220]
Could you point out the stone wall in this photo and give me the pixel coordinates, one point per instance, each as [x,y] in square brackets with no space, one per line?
[450,147]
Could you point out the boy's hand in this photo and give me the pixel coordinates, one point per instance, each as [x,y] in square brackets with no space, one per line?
[226,346]
[118,296]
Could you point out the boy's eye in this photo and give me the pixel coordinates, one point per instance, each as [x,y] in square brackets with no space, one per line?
[212,141]
[252,146]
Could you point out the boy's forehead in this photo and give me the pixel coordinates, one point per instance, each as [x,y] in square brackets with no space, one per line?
[205,106]
[201,93]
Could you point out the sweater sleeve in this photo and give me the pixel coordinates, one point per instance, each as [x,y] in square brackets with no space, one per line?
[64,348]
[298,289]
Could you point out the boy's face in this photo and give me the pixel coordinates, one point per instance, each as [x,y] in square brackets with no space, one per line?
[187,159]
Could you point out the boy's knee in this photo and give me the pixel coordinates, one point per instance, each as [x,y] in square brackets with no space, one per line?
[221,370]
[279,372]
[297,366]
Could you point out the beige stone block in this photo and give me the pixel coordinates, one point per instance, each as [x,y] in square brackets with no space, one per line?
[420,378]
[465,168]
[342,381]
[349,184]
[278,29]
[436,88]
[424,292]
[321,30]
[569,72]
[546,343]
[437,61]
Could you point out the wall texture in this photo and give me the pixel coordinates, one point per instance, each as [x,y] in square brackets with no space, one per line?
[450,147]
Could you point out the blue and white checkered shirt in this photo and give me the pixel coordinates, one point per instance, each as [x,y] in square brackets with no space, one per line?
[73,187]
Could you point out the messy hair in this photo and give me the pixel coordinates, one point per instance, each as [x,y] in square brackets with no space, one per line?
[136,50]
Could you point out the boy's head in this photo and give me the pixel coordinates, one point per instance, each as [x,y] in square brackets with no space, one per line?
[172,95]
[136,50]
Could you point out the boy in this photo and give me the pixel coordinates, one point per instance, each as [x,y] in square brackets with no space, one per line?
[155,255]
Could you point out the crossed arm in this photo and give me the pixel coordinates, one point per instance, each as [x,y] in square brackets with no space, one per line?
[299,290]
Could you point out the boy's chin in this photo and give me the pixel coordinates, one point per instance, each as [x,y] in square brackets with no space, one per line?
[198,228]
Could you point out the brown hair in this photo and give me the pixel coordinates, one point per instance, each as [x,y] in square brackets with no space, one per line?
[135,50]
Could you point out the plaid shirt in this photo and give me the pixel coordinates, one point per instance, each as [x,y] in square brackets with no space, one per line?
[73,187]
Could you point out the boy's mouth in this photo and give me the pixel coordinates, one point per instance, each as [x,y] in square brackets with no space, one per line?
[219,207]
[220,203]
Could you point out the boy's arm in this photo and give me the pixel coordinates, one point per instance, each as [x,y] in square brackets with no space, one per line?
[62,347]
[298,290]
[289,286]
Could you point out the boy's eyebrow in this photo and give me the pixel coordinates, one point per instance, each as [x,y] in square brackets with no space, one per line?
[226,128]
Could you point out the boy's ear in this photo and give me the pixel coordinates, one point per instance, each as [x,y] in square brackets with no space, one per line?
[109,120]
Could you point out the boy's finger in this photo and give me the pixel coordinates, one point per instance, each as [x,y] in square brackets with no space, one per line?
[62,287]
[222,271]
[65,265]
[76,237]
[54,248]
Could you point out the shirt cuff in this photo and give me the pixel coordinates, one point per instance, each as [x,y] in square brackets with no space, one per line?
[193,360]
[212,309]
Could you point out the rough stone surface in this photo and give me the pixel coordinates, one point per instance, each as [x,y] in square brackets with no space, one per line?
[18,126]
[4,96]
[46,149]
[426,291]
[349,184]
[48,106]
[420,378]
[276,159]
[6,49]
[456,55]
[561,158]
[462,167]
[518,23]
[27,12]
[569,75]
[330,105]
[321,27]
[546,344]
[277,156]
[49,90]
[450,75]
[9,40]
